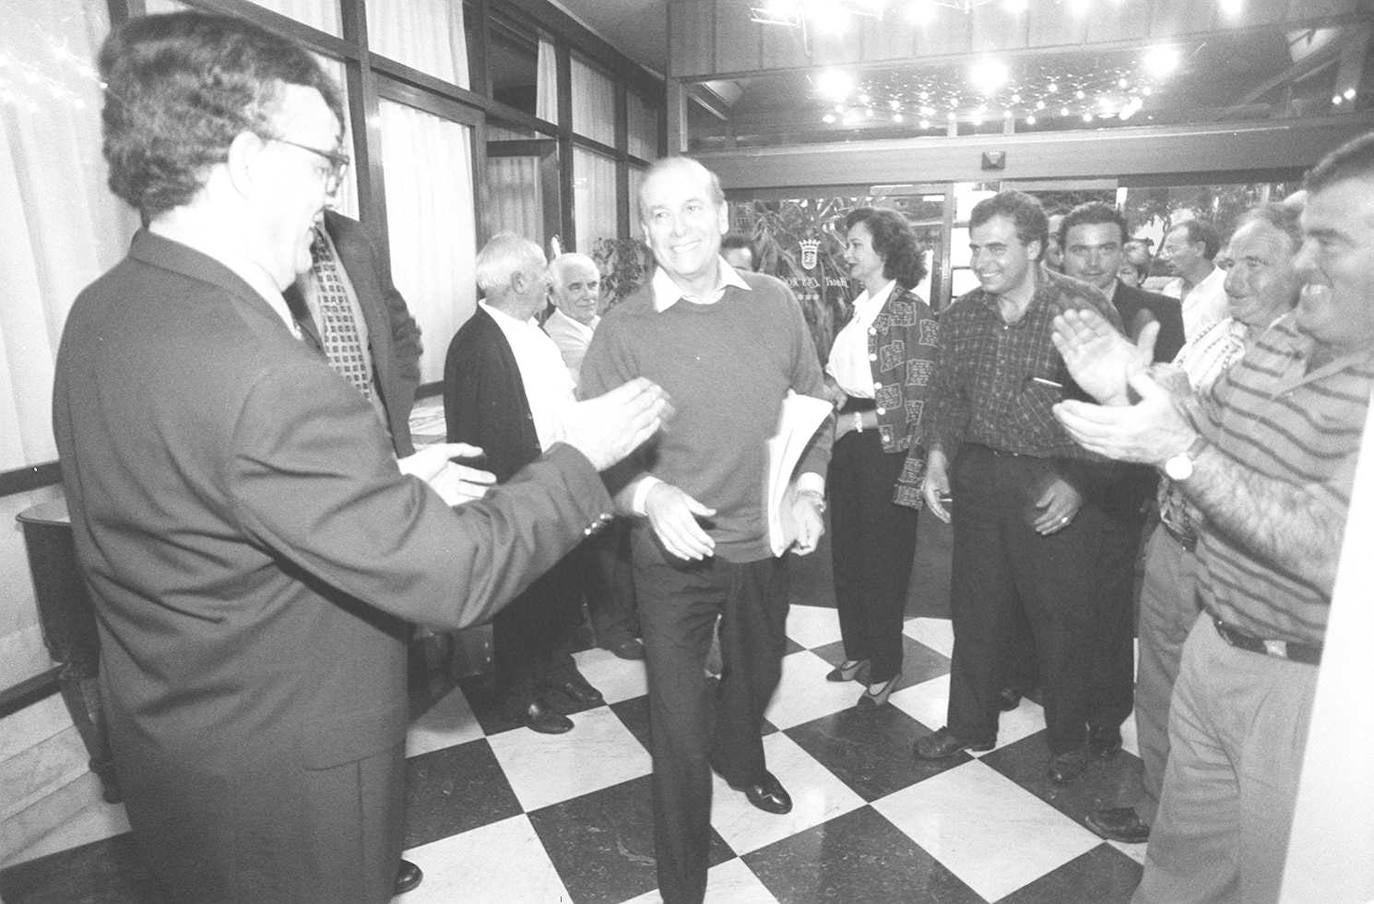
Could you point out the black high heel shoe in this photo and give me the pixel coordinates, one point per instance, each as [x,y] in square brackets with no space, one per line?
[871,697]
[847,670]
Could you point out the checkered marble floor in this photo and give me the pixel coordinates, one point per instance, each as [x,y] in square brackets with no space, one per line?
[498,813]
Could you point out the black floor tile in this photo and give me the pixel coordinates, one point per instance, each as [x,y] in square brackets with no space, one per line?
[1105,783]
[453,790]
[104,872]
[868,749]
[859,856]
[919,662]
[1103,875]
[602,844]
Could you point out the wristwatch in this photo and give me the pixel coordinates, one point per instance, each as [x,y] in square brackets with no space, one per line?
[1180,466]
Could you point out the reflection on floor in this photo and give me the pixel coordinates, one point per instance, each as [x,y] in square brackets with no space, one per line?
[501,814]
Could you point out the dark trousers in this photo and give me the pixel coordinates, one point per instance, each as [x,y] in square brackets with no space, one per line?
[873,542]
[532,637]
[1113,652]
[693,726]
[1000,563]
[606,573]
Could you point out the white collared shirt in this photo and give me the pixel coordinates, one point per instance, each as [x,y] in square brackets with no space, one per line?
[548,385]
[668,293]
[572,338]
[849,360]
[1204,304]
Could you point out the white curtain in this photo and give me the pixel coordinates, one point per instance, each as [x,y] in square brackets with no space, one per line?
[428,35]
[427,162]
[593,103]
[546,82]
[642,126]
[593,198]
[515,197]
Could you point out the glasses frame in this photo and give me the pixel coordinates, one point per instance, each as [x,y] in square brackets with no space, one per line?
[338,161]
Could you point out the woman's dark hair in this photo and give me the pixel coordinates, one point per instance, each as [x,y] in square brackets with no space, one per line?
[894,241]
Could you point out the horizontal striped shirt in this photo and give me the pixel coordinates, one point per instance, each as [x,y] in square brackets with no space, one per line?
[1303,429]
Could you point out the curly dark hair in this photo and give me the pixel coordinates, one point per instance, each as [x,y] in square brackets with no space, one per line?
[1022,209]
[1093,213]
[179,88]
[894,241]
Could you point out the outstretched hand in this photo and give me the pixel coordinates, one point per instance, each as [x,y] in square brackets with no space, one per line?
[454,483]
[673,515]
[1148,432]
[614,424]
[1099,358]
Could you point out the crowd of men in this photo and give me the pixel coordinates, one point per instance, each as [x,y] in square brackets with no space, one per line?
[259,534]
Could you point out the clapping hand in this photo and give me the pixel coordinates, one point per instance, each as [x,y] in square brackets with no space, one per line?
[1099,358]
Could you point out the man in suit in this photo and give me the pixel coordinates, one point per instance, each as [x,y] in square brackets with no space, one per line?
[250,543]
[352,314]
[507,390]
[1188,251]
[376,312]
[603,562]
[1094,237]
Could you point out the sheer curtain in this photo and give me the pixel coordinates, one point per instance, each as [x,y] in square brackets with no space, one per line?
[593,198]
[546,84]
[593,103]
[515,197]
[427,162]
[428,35]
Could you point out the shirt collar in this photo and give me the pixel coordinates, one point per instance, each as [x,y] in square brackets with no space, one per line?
[876,300]
[575,325]
[502,317]
[667,293]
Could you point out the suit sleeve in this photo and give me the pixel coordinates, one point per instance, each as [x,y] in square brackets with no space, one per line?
[313,480]
[922,348]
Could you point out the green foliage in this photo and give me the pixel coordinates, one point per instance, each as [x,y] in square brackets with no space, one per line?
[625,265]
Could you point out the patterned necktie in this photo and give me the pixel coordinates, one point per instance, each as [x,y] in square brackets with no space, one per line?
[338,330]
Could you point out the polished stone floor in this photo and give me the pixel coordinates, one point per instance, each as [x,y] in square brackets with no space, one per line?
[500,814]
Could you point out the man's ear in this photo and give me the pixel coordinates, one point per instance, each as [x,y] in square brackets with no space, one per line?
[1039,253]
[723,217]
[241,161]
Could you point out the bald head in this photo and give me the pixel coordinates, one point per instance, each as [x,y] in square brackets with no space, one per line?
[576,284]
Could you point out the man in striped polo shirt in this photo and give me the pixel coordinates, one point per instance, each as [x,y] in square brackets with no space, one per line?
[1269,460]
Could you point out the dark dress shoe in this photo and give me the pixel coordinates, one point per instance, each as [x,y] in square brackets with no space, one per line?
[1008,698]
[768,794]
[1104,742]
[577,689]
[1067,766]
[629,649]
[1118,824]
[941,745]
[539,716]
[408,878]
[847,670]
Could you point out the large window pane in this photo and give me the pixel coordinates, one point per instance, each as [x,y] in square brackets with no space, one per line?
[321,14]
[643,126]
[428,35]
[593,103]
[636,180]
[427,162]
[593,198]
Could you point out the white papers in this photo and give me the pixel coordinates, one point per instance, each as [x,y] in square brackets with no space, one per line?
[801,416]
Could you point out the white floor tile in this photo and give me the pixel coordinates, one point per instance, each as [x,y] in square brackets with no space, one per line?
[617,679]
[817,796]
[729,883]
[928,703]
[813,626]
[545,769]
[936,633]
[977,822]
[803,693]
[1135,851]
[448,722]
[504,861]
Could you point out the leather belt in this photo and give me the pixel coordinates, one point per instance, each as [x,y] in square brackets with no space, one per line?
[1308,653]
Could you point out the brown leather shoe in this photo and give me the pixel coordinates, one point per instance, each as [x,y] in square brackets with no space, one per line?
[941,745]
[1118,824]
[408,878]
[1067,766]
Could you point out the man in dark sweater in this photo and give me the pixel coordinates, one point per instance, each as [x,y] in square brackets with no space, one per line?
[727,347]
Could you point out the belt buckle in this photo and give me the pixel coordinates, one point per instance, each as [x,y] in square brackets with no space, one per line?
[1277,648]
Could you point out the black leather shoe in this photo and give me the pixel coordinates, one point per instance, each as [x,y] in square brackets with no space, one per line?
[539,716]
[1104,742]
[768,795]
[628,649]
[1067,766]
[1008,698]
[577,689]
[1118,824]
[408,878]
[942,745]
[847,671]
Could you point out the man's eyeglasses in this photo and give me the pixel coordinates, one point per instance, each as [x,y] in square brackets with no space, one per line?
[338,163]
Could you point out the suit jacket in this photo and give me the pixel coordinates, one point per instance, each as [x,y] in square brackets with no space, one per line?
[393,335]
[1130,301]
[484,397]
[252,552]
